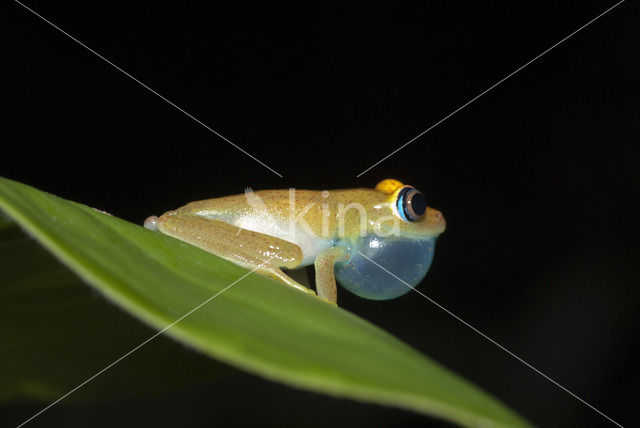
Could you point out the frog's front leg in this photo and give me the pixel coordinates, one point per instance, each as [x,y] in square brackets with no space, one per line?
[264,253]
[325,275]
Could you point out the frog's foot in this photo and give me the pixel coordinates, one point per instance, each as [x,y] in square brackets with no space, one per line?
[277,274]
[151,223]
[295,284]
[280,276]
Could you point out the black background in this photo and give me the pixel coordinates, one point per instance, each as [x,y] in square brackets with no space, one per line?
[538,179]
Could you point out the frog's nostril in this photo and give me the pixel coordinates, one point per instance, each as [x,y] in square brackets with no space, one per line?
[436,220]
[434,214]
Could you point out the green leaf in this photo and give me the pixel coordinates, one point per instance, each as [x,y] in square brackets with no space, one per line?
[57,331]
[257,324]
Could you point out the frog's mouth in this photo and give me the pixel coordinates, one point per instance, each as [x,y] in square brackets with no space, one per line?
[385,268]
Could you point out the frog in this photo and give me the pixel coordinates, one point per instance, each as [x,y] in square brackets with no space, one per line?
[377,243]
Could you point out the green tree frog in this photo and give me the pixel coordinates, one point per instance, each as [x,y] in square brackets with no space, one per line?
[346,234]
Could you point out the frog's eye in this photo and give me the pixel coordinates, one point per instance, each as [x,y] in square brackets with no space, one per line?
[411,204]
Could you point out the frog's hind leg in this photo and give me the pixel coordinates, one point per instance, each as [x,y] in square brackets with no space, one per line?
[253,250]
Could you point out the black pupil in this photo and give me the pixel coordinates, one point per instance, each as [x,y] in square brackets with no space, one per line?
[418,203]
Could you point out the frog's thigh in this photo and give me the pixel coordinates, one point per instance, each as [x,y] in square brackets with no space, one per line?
[325,276]
[244,247]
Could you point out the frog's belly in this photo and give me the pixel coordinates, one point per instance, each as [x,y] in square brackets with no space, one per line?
[311,245]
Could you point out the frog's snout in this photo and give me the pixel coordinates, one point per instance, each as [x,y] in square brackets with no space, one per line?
[436,220]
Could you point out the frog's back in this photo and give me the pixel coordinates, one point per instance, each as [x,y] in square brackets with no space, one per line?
[230,208]
[308,205]
[272,213]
